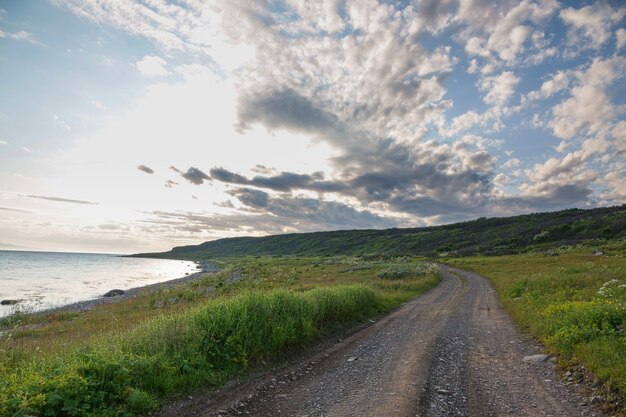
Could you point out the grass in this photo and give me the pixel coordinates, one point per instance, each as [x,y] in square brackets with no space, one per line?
[571,300]
[201,333]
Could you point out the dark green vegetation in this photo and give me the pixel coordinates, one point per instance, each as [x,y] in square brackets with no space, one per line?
[496,236]
[202,333]
[574,301]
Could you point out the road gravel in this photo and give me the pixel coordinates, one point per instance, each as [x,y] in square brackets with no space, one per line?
[451,352]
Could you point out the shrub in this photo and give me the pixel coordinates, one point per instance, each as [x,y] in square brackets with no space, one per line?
[575,322]
[405,271]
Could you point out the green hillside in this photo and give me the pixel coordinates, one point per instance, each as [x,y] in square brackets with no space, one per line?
[494,236]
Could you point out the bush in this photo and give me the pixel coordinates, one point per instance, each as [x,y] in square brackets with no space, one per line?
[575,322]
[405,271]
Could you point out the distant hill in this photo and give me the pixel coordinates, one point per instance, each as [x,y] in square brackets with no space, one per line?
[494,236]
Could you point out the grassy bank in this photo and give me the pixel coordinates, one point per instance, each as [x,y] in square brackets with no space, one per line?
[573,300]
[185,337]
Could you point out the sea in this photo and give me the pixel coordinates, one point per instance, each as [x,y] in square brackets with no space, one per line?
[43,280]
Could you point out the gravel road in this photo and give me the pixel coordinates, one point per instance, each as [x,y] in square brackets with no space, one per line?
[451,352]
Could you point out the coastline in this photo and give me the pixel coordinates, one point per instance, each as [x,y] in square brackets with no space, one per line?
[85,305]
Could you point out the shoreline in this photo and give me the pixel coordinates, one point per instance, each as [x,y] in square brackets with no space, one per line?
[86,305]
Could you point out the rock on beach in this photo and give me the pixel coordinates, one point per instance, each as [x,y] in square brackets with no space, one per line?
[114,293]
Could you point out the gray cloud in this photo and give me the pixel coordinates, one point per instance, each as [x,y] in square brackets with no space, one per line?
[60,199]
[271,215]
[285,181]
[15,210]
[285,109]
[552,197]
[426,181]
[145,169]
[195,176]
[251,198]
[170,183]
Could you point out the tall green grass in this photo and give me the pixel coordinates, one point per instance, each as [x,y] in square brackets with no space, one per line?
[128,374]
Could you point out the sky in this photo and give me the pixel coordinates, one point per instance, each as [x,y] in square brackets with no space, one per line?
[134,126]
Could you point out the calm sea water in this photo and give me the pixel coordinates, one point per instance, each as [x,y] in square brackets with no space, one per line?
[51,279]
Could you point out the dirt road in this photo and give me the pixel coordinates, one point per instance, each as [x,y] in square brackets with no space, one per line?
[451,352]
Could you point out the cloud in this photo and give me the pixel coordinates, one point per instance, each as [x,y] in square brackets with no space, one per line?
[620,38]
[251,198]
[503,31]
[442,176]
[285,109]
[368,82]
[97,104]
[60,199]
[389,82]
[170,183]
[499,88]
[556,83]
[152,66]
[512,163]
[195,176]
[589,26]
[62,122]
[269,216]
[464,122]
[589,109]
[285,181]
[3,142]
[145,169]
[21,35]
[15,210]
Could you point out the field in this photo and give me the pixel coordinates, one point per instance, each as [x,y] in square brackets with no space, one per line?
[573,300]
[125,358]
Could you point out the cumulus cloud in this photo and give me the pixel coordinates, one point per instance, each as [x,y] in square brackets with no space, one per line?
[145,169]
[152,66]
[556,83]
[589,109]
[620,38]
[502,32]
[499,88]
[590,26]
